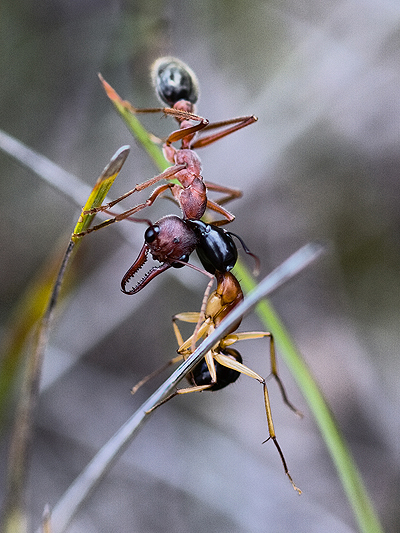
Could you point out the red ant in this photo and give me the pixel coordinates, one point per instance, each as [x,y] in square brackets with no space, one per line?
[222,365]
[177,86]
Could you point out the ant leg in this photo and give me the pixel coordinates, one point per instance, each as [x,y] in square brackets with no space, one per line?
[274,372]
[238,124]
[201,315]
[234,337]
[189,317]
[126,214]
[185,347]
[202,329]
[230,362]
[167,174]
[272,436]
[198,388]
[230,194]
[176,113]
[155,373]
[179,114]
[180,134]
[233,364]
[184,317]
[213,206]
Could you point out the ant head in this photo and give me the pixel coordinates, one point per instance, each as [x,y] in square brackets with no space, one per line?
[170,241]
[174,81]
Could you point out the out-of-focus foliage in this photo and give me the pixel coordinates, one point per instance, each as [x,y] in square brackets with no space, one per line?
[322,161]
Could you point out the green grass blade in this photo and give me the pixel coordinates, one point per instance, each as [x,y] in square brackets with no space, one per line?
[143,137]
[101,188]
[347,470]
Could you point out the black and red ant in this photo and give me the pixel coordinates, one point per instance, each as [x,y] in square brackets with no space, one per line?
[177,86]
[222,365]
[171,240]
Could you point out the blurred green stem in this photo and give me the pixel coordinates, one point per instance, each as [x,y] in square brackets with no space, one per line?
[347,470]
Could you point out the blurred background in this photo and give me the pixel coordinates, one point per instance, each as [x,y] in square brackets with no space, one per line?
[322,162]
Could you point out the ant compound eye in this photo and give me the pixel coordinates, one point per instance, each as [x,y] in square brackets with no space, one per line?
[151,234]
[184,258]
[174,81]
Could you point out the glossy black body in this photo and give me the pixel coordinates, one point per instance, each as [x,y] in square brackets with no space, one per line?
[200,375]
[215,248]
[175,81]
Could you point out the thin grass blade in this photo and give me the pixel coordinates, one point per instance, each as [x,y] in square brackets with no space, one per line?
[14,514]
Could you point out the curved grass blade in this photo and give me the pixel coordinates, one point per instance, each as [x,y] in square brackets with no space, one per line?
[13,515]
[143,137]
[24,318]
[100,190]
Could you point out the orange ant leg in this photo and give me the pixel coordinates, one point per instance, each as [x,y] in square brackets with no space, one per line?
[274,373]
[230,362]
[187,390]
[272,436]
[202,329]
[234,337]
[201,315]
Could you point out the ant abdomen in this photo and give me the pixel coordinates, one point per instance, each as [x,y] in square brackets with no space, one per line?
[200,375]
[174,81]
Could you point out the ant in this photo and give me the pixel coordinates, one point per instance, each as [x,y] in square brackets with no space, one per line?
[177,86]
[222,365]
[171,240]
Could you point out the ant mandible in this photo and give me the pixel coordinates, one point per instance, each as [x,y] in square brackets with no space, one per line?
[222,365]
[176,85]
